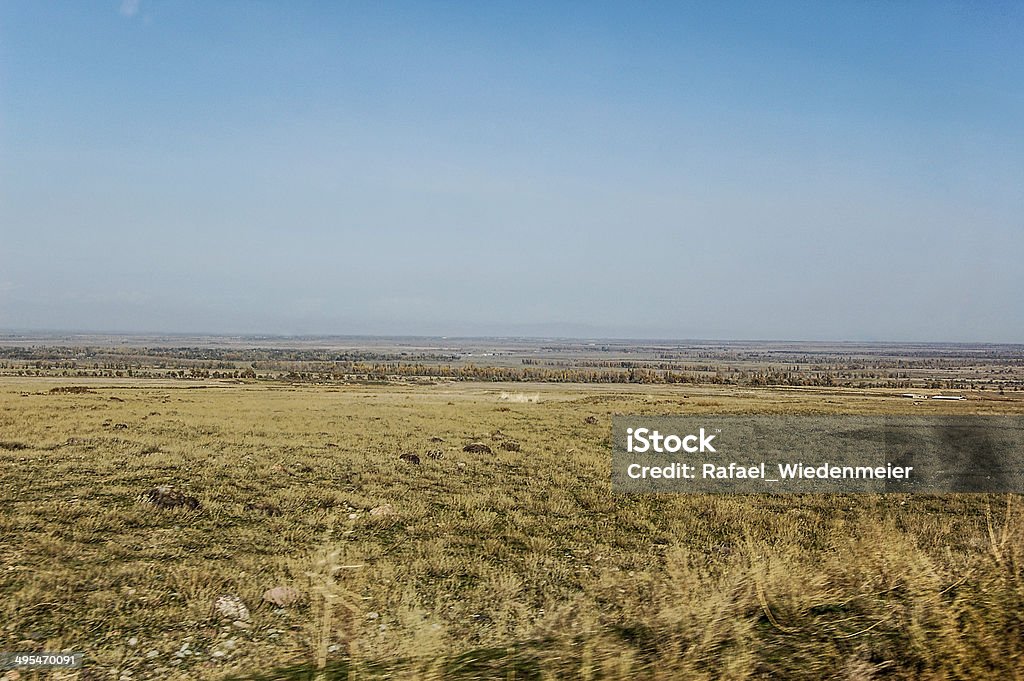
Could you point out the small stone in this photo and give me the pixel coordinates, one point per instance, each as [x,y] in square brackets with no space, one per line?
[383,510]
[282,596]
[263,506]
[242,624]
[152,653]
[231,608]
[166,496]
[353,516]
[372,615]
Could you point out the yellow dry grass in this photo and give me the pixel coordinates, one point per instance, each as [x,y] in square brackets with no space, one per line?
[517,564]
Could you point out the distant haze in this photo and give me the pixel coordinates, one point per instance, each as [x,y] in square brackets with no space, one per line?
[843,171]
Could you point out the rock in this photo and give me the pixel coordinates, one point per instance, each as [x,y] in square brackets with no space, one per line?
[120,426]
[435,454]
[242,624]
[263,507]
[410,457]
[477,448]
[133,641]
[278,468]
[383,510]
[231,608]
[168,497]
[282,596]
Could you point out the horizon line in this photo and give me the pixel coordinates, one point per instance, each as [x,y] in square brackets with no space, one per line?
[6,334]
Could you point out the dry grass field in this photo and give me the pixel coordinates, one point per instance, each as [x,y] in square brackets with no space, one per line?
[514,564]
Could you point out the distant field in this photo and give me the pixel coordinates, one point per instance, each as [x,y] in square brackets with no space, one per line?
[519,563]
[984,368]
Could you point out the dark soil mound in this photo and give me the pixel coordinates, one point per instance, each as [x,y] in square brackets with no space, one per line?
[168,497]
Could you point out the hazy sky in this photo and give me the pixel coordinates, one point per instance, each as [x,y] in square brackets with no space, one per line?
[764,170]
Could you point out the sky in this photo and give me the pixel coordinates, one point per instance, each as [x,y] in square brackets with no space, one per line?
[714,170]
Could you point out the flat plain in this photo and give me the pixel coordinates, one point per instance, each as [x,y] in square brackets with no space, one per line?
[518,562]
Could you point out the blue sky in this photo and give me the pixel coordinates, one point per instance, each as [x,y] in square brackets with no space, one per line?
[837,171]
